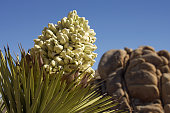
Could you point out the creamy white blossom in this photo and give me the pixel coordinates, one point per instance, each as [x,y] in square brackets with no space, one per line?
[67,44]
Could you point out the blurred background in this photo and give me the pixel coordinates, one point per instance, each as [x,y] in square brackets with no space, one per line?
[117,23]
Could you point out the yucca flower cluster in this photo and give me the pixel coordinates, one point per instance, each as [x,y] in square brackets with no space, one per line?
[67,45]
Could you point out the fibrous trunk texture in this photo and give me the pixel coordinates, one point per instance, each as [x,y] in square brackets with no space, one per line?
[138,79]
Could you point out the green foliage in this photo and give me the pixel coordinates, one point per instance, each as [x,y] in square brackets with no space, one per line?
[26,88]
[2,106]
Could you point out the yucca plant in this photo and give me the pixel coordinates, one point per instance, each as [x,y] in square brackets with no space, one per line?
[56,76]
[2,106]
[27,88]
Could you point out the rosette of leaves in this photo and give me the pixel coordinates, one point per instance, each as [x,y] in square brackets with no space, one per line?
[69,44]
[2,106]
[26,87]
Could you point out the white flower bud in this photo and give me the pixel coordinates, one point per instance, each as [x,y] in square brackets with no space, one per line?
[86,65]
[68,57]
[60,34]
[76,23]
[77,56]
[56,42]
[52,27]
[60,67]
[47,41]
[74,38]
[67,24]
[75,31]
[58,59]
[85,39]
[75,12]
[70,47]
[43,33]
[71,20]
[46,66]
[59,22]
[94,55]
[54,37]
[81,29]
[49,69]
[62,40]
[77,46]
[92,34]
[37,47]
[63,53]
[72,54]
[92,62]
[86,27]
[54,69]
[76,63]
[58,48]
[77,27]
[63,21]
[71,25]
[87,34]
[76,17]
[68,51]
[94,47]
[82,19]
[72,29]
[81,54]
[49,32]
[86,22]
[72,16]
[47,36]
[87,57]
[82,33]
[78,41]
[80,62]
[36,41]
[66,37]
[69,14]
[65,31]
[93,39]
[90,47]
[79,35]
[87,51]
[53,63]
[78,50]
[41,43]
[81,25]
[90,70]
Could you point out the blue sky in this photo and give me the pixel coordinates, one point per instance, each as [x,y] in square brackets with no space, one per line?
[117,23]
